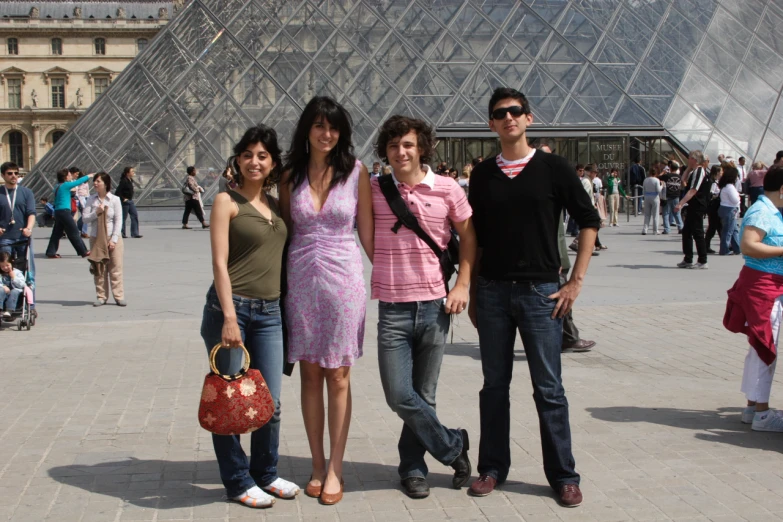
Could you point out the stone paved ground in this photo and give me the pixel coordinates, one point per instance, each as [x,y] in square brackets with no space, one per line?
[99,416]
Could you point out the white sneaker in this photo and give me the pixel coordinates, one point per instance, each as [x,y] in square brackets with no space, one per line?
[283,488]
[747,415]
[6,314]
[255,498]
[767,421]
[699,266]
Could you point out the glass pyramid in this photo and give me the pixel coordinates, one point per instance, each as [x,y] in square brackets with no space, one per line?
[708,72]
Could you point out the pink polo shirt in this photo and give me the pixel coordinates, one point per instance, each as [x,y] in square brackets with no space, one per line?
[404,268]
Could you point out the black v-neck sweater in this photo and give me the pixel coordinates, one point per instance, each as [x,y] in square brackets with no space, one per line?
[516,219]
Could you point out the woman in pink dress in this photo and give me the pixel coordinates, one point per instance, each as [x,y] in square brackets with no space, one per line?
[325,189]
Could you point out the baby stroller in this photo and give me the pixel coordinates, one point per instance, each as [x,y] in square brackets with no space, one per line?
[24,315]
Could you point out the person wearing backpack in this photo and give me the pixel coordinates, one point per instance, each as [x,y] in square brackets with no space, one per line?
[414,303]
[192,196]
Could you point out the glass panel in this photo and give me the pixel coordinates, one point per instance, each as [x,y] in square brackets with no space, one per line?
[283,119]
[398,61]
[256,93]
[125,93]
[314,82]
[776,122]
[705,96]
[578,30]
[105,130]
[512,74]
[364,29]
[14,94]
[224,60]
[615,62]
[254,28]
[473,30]
[165,130]
[765,62]
[527,30]
[58,92]
[728,31]
[649,12]
[549,10]
[478,89]
[557,49]
[741,127]
[748,12]
[769,148]
[496,10]
[309,29]
[600,11]
[134,154]
[632,33]
[224,9]
[284,60]
[374,94]
[337,11]
[700,11]
[752,92]
[769,31]
[720,144]
[167,60]
[196,30]
[419,29]
[199,96]
[716,62]
[462,113]
[597,94]
[544,94]
[631,114]
[687,127]
[666,63]
[681,34]
[504,50]
[574,114]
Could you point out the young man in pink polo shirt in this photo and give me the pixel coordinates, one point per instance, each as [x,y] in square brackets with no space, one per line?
[414,308]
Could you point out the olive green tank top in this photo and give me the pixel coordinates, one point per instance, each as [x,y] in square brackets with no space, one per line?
[255,250]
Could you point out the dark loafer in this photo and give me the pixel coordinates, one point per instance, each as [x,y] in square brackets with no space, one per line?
[570,495]
[462,467]
[416,487]
[482,486]
[582,345]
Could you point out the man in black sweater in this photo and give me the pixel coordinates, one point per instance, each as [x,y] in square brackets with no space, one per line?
[517,198]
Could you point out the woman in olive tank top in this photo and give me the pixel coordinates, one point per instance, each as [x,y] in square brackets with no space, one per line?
[243,305]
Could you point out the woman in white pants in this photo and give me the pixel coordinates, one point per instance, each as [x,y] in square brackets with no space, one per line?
[652,201]
[755,304]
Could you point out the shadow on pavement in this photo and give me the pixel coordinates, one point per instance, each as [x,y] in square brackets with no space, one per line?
[640,267]
[162,484]
[722,425]
[63,303]
[471,349]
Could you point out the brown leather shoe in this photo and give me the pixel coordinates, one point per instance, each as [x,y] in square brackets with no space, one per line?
[582,345]
[330,499]
[482,486]
[570,495]
[313,491]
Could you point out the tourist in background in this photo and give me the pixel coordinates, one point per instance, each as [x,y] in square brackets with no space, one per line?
[125,193]
[756,180]
[192,194]
[614,189]
[729,211]
[713,218]
[652,201]
[106,272]
[63,217]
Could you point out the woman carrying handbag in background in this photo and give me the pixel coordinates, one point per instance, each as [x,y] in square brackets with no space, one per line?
[243,307]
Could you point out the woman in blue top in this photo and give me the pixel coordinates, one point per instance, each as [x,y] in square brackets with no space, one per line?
[63,219]
[761,242]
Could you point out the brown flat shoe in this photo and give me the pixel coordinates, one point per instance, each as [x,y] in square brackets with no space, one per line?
[311,490]
[330,499]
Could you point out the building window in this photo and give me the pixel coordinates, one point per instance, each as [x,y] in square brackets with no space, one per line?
[14,94]
[56,135]
[58,93]
[101,84]
[57,46]
[141,44]
[100,46]
[13,46]
[16,145]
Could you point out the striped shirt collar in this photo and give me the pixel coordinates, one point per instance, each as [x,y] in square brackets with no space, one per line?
[429,178]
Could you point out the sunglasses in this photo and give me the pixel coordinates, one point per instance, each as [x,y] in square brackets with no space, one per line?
[514,110]
[12,173]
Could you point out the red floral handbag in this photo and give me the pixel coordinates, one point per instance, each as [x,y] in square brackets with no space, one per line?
[234,404]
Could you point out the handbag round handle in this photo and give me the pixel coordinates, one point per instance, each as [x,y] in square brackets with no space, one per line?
[213,367]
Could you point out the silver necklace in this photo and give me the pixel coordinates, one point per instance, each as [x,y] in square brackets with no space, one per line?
[12,203]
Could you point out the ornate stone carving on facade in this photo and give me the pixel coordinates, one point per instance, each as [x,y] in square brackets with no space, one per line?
[120,12]
[77,12]
[34,13]
[178,5]
[79,97]
[34,98]
[163,13]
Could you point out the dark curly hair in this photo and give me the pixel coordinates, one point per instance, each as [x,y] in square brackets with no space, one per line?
[398,126]
[267,137]
[342,158]
[773,179]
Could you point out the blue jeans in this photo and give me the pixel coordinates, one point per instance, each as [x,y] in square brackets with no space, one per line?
[260,324]
[669,213]
[411,340]
[10,300]
[129,207]
[503,307]
[729,233]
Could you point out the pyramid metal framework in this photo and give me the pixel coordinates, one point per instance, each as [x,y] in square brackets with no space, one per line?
[708,72]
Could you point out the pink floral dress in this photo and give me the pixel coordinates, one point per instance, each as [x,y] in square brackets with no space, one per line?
[326,302]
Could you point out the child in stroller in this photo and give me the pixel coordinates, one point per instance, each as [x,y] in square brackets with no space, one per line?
[13,285]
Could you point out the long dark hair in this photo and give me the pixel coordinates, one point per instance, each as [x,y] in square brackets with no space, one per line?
[729,177]
[267,137]
[125,172]
[341,158]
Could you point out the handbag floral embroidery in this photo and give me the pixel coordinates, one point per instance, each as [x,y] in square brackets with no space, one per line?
[234,404]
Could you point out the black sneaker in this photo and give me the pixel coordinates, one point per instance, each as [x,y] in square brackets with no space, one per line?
[416,487]
[462,467]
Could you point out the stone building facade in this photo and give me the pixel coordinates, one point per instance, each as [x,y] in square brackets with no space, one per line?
[57,58]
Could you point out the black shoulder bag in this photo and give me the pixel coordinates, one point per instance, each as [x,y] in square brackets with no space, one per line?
[448,258]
